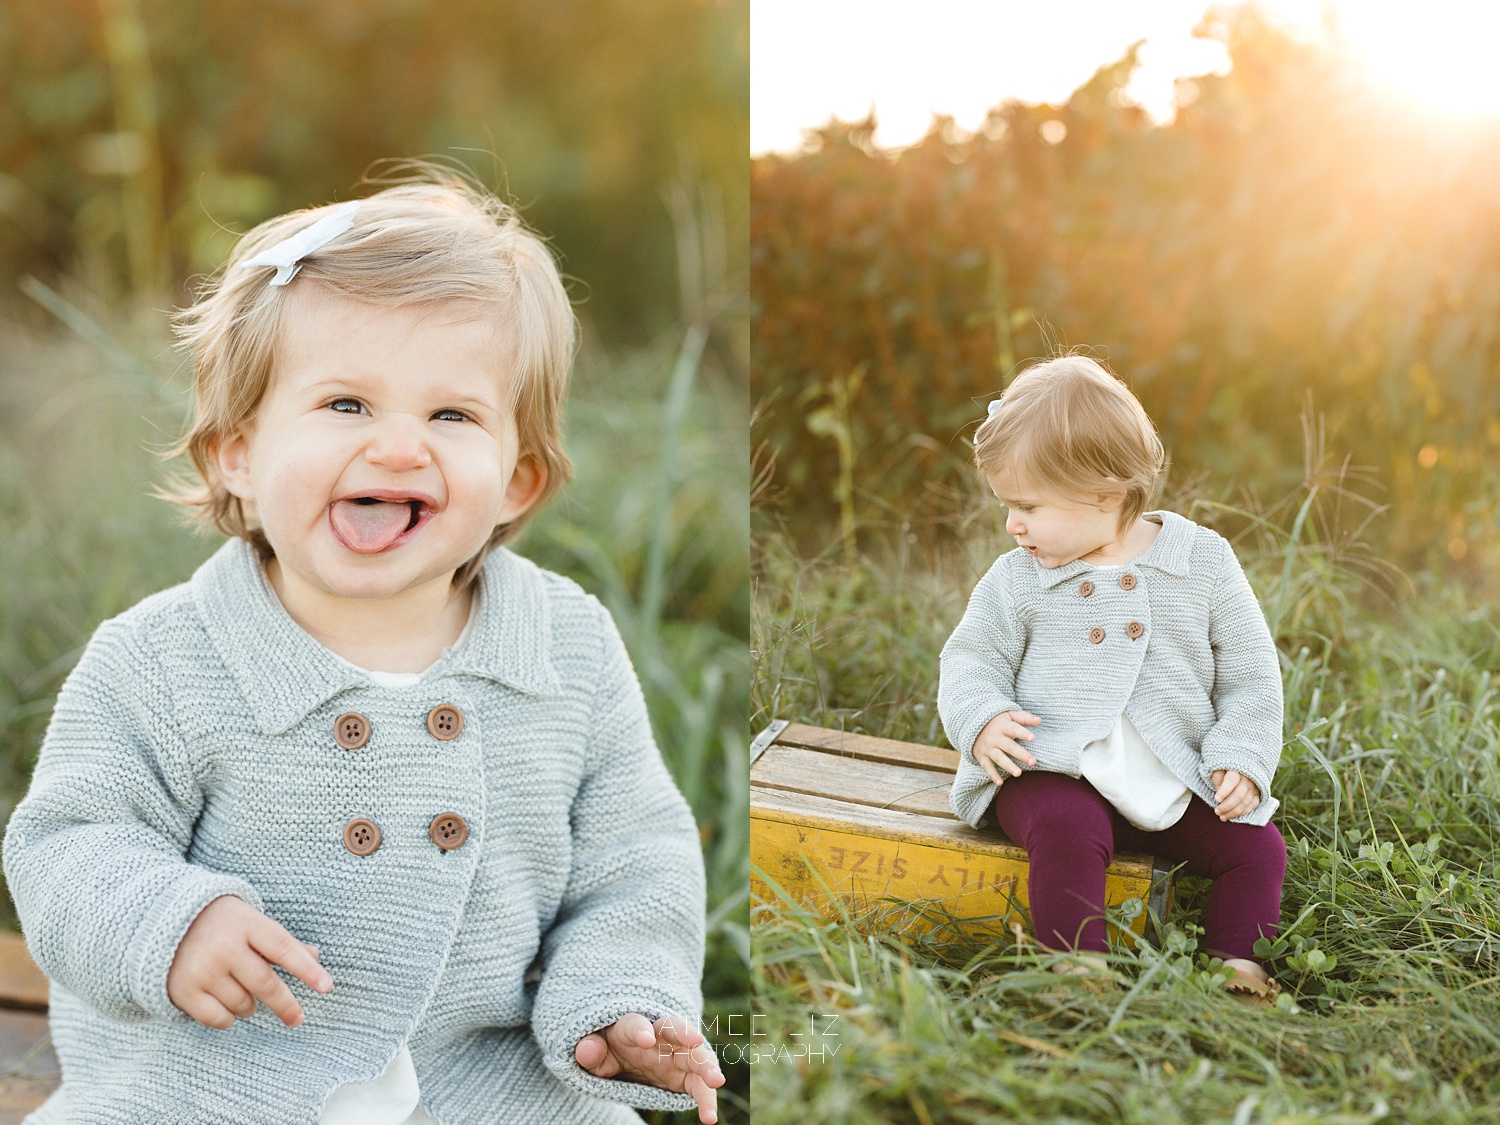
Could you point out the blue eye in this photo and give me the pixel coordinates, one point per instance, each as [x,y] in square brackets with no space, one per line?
[458,415]
[337,406]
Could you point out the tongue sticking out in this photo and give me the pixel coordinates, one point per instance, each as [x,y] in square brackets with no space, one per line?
[371,525]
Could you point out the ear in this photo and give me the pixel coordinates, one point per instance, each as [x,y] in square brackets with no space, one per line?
[525,489]
[231,453]
[1110,501]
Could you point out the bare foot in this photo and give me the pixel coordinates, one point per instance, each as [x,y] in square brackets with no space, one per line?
[1082,964]
[1248,967]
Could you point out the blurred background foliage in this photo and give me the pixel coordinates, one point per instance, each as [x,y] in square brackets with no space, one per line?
[1293,237]
[136,131]
[138,138]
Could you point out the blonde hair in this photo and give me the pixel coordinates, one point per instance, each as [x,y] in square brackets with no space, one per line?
[1072,427]
[434,238]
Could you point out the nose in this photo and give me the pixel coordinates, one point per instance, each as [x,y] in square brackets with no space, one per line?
[398,442]
[1013,525]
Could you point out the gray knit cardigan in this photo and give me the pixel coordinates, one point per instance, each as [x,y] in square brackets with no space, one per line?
[1201,681]
[191,754]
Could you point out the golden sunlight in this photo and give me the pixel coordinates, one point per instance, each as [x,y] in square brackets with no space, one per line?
[844,58]
[1439,55]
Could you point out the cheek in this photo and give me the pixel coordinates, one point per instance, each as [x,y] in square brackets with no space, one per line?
[478,480]
[294,482]
[288,477]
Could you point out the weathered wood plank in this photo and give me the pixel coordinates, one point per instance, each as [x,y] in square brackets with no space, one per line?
[856,780]
[26,1046]
[28,1067]
[19,1096]
[22,984]
[870,748]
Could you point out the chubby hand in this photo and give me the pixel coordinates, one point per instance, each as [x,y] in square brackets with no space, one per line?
[224,965]
[1235,793]
[670,1053]
[1001,739]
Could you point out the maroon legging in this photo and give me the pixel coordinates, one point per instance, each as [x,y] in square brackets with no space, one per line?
[1070,833]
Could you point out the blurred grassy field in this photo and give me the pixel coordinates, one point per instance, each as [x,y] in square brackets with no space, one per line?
[1390,783]
[1291,237]
[84,541]
[1290,234]
[139,136]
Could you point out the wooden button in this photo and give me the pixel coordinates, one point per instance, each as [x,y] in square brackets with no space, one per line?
[351,730]
[361,836]
[1085,589]
[448,831]
[1134,630]
[445,722]
[1127,581]
[1096,635]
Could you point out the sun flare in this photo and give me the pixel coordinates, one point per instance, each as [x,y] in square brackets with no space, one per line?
[1441,57]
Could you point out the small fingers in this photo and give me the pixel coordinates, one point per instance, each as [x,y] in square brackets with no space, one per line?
[271,940]
[996,756]
[1222,805]
[1014,732]
[208,1011]
[694,1054]
[1240,799]
[1012,748]
[633,1029]
[982,756]
[235,999]
[677,1031]
[1001,756]
[260,980]
[704,1095]
[594,1055]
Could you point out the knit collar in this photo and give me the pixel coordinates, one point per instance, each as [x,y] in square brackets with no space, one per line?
[1171,552]
[284,673]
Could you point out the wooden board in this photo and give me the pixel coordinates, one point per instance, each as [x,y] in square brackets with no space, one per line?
[852,824]
[871,749]
[859,781]
[22,984]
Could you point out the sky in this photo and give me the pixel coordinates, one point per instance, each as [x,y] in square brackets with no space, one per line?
[815,59]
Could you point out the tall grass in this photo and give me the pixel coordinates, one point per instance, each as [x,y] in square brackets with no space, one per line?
[663,541]
[1390,783]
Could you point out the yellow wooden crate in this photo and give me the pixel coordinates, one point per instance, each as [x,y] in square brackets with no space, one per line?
[868,819]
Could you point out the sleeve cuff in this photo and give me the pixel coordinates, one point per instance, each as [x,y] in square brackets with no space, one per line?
[560,1040]
[155,942]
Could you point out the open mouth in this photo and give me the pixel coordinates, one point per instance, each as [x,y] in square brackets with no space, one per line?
[371,524]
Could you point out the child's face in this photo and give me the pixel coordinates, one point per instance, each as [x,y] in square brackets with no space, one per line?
[407,407]
[1055,529]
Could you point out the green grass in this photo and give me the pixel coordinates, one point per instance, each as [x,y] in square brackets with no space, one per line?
[647,508]
[1390,783]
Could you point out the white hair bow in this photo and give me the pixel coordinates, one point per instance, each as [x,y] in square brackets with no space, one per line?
[995,405]
[287,254]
